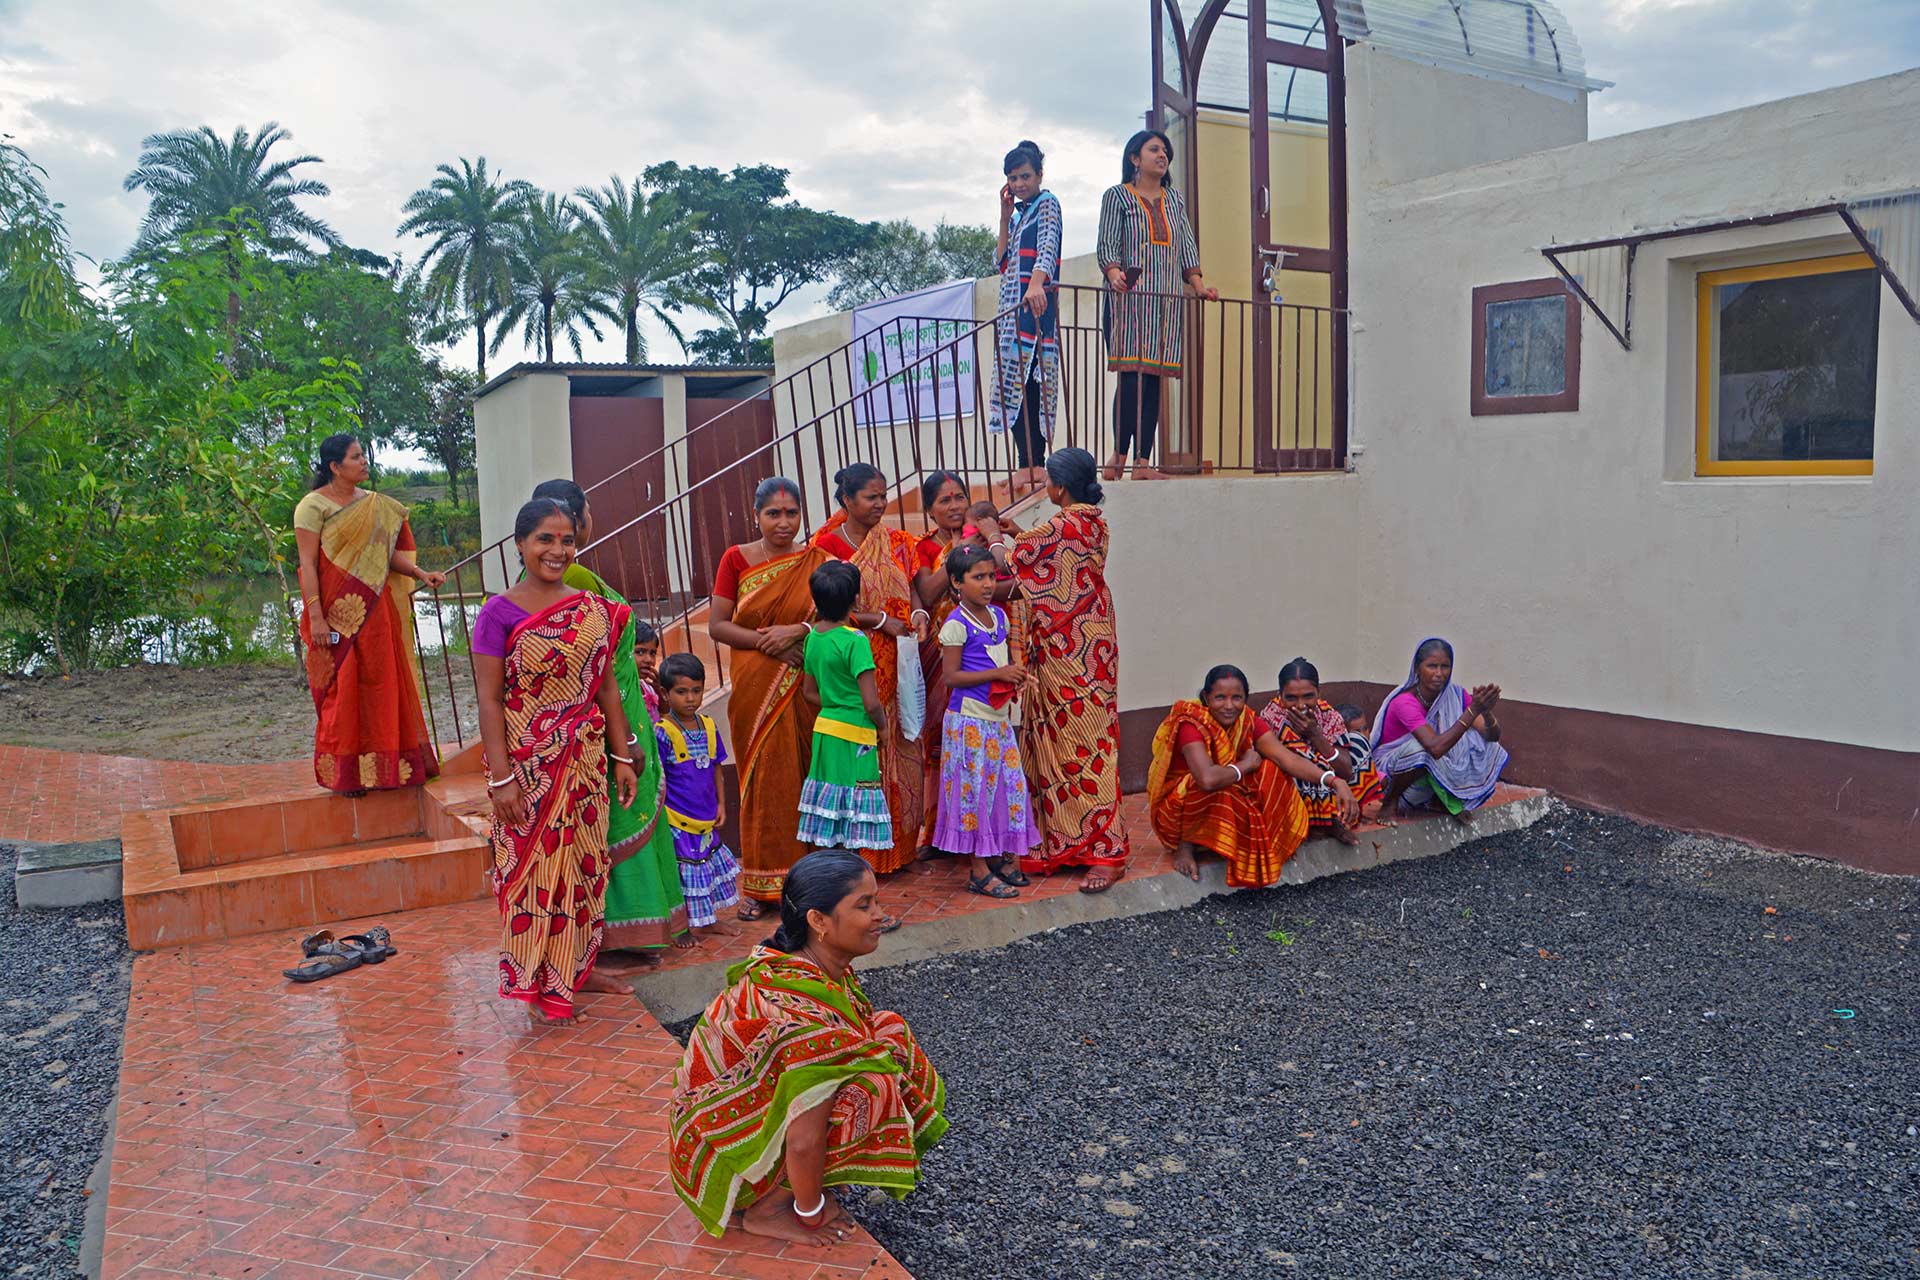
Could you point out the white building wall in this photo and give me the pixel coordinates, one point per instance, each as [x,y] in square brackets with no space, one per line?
[1575,558]
[522,436]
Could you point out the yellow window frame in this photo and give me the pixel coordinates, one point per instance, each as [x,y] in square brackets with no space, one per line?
[1704,462]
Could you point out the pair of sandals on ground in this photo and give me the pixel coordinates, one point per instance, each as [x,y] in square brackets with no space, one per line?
[327,955]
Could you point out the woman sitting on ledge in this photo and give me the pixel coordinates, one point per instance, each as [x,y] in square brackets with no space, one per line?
[1308,725]
[1210,788]
[792,1082]
[1436,742]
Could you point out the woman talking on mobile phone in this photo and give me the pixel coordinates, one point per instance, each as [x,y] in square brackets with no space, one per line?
[1026,334]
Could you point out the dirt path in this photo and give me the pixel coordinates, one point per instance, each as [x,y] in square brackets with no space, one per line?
[225,715]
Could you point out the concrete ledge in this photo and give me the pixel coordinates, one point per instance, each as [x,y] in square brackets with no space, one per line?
[681,993]
[67,875]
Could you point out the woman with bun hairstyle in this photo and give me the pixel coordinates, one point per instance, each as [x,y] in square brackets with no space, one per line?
[793,1082]
[1073,664]
[1026,335]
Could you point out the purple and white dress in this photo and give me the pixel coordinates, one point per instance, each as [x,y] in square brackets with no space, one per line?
[709,873]
[985,811]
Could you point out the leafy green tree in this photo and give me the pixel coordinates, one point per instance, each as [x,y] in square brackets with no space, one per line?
[197,181]
[550,288]
[470,216]
[133,456]
[761,247]
[641,255]
[445,433]
[902,258]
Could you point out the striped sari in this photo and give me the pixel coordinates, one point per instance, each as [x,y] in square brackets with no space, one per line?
[1071,707]
[645,906]
[782,1039]
[770,724]
[886,559]
[1256,824]
[550,871]
[371,732]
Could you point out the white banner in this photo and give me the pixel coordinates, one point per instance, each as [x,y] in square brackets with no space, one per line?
[908,348]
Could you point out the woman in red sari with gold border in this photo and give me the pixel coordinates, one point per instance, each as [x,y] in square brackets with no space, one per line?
[760,609]
[887,608]
[356,570]
[1221,781]
[543,656]
[1071,704]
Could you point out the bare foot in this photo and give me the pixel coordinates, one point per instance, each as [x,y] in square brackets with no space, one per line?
[686,941]
[773,1217]
[1141,471]
[606,984]
[1185,863]
[1464,817]
[1344,833]
[540,1018]
[1101,879]
[719,928]
[1114,465]
[628,961]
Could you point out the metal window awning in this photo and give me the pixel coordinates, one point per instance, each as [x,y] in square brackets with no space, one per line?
[1600,272]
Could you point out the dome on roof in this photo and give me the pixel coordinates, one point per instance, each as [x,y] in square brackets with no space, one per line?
[1527,42]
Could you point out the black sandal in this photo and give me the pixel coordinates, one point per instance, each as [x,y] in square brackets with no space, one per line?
[1016,877]
[324,965]
[986,888]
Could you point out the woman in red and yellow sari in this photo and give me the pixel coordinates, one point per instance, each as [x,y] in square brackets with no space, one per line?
[1308,726]
[760,610]
[887,608]
[356,563]
[1070,705]
[1221,781]
[543,656]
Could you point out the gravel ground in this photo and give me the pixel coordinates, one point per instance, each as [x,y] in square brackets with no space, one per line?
[60,1031]
[1587,1049]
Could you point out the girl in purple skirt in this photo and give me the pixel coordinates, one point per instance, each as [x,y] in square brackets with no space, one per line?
[984,811]
[691,754]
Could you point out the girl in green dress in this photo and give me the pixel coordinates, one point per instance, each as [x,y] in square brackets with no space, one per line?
[646,909]
[842,804]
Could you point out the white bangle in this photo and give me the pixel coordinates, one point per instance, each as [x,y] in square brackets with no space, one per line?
[621,759]
[920,613]
[1329,774]
[496,783]
[814,1212]
[1237,775]
[997,546]
[633,739]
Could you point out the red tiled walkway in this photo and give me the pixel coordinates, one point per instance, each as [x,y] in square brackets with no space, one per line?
[402,1121]
[57,796]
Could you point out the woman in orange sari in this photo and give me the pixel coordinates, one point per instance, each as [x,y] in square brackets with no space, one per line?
[760,610]
[887,608]
[944,497]
[1221,781]
[356,570]
[550,719]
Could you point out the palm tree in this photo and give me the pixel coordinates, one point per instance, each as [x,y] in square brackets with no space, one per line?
[639,253]
[471,217]
[549,287]
[198,181]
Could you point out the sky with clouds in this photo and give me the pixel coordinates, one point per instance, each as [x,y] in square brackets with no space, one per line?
[881,109]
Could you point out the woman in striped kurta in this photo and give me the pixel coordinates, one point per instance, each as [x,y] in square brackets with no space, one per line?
[1147,252]
[1026,334]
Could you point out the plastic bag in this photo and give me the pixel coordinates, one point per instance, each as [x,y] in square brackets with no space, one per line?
[910,697]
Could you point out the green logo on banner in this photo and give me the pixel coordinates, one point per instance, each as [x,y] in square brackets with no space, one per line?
[872,365]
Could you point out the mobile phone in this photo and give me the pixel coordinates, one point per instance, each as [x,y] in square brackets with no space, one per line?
[333,637]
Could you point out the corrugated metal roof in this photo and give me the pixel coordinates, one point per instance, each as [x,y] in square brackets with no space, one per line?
[615,368]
